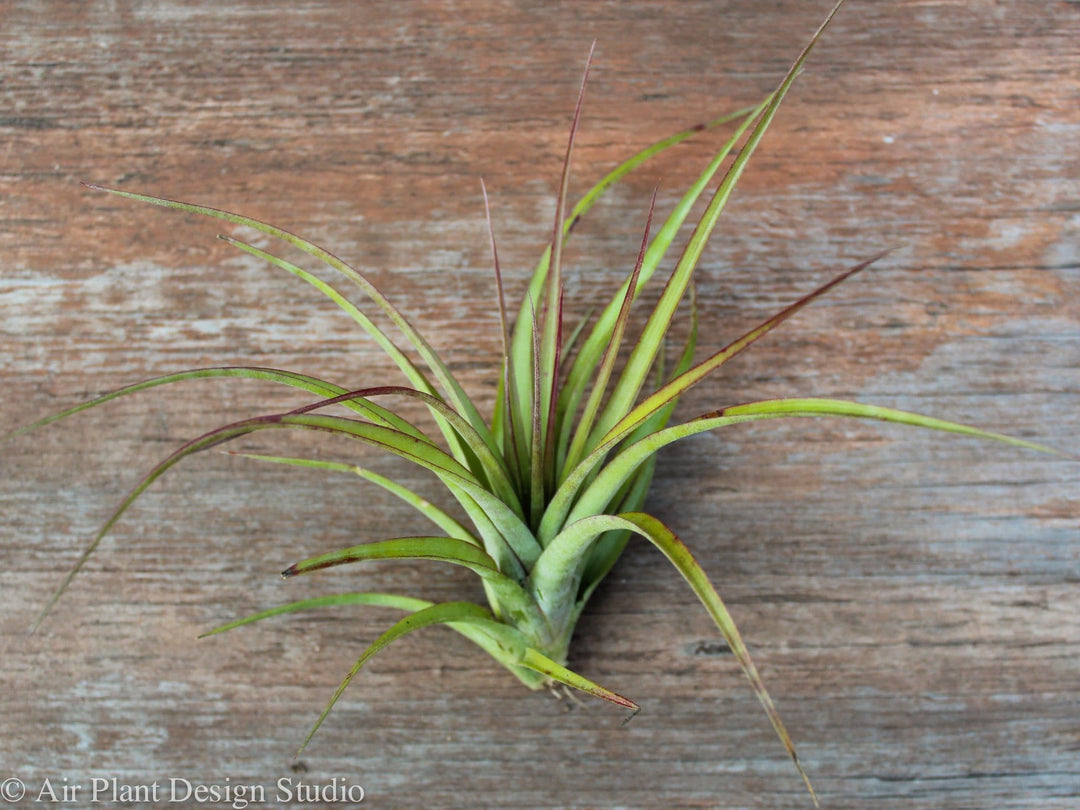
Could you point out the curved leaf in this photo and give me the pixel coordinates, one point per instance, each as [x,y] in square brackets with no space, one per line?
[391,349]
[291,378]
[509,595]
[683,382]
[641,359]
[444,613]
[444,549]
[610,354]
[524,325]
[810,406]
[663,398]
[337,600]
[493,469]
[600,335]
[610,545]
[419,503]
[558,571]
[624,464]
[411,372]
[450,384]
[679,555]
[539,662]
[500,641]
[513,644]
[468,614]
[512,537]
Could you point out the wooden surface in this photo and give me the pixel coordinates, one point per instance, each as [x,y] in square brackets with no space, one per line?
[912,600]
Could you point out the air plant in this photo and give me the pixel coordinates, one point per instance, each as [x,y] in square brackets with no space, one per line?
[553,484]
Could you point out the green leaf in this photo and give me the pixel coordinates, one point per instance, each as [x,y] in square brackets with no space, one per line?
[411,372]
[623,465]
[557,573]
[792,407]
[593,194]
[443,549]
[610,545]
[679,555]
[539,662]
[506,538]
[291,378]
[510,643]
[607,365]
[521,655]
[510,544]
[337,600]
[418,502]
[556,576]
[599,337]
[491,471]
[500,641]
[444,613]
[510,596]
[665,397]
[524,325]
[453,389]
[641,359]
[632,494]
[683,382]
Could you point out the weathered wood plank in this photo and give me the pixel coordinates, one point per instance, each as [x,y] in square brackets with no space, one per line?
[911,600]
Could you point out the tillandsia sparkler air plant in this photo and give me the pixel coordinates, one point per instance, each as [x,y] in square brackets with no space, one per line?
[554,482]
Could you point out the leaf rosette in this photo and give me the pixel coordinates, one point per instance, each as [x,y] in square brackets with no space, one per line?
[553,484]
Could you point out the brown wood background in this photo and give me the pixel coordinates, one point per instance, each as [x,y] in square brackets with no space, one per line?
[911,599]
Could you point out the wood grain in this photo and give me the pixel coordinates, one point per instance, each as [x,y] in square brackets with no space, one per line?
[912,600]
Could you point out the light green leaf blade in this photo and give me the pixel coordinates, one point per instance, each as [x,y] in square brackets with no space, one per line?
[663,398]
[289,378]
[419,503]
[560,565]
[451,386]
[794,407]
[513,644]
[336,600]
[442,549]
[635,372]
[691,377]
[610,354]
[633,492]
[510,539]
[679,555]
[491,471]
[599,337]
[412,373]
[502,642]
[510,596]
[539,662]
[408,368]
[598,493]
[626,167]
[524,326]
[443,613]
